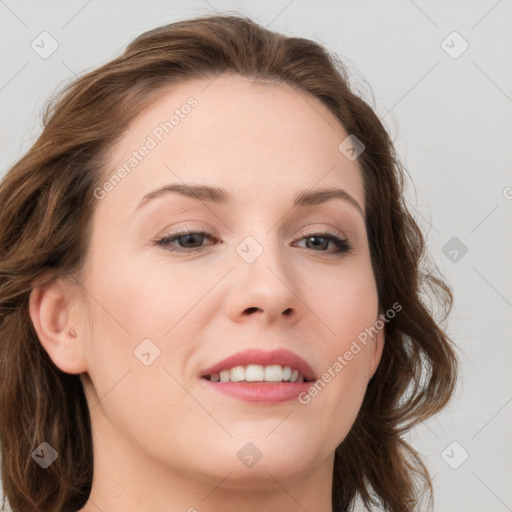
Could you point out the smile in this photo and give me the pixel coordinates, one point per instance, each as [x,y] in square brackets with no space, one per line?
[258,373]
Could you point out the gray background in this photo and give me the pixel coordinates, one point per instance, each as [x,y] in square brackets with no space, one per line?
[451,118]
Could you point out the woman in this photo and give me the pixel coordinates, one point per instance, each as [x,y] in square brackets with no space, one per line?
[211,289]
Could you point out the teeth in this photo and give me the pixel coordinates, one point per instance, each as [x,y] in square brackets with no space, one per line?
[258,373]
[274,373]
[254,373]
[237,374]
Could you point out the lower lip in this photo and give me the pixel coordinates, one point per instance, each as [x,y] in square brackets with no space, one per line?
[267,393]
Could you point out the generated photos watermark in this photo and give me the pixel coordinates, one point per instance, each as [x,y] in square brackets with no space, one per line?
[343,360]
[156,136]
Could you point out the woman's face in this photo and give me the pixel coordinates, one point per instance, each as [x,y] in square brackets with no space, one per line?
[258,279]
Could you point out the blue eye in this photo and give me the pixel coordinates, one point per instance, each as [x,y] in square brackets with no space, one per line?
[188,238]
[316,242]
[191,241]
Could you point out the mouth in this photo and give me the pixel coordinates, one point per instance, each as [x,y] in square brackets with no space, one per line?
[255,365]
[258,373]
[260,376]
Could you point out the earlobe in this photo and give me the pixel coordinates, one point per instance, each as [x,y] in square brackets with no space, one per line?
[376,349]
[51,314]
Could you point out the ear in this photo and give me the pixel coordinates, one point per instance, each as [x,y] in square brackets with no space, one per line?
[376,348]
[53,311]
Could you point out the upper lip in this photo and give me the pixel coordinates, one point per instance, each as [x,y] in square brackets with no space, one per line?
[281,356]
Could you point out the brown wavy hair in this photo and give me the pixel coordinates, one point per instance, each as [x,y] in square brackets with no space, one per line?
[47,202]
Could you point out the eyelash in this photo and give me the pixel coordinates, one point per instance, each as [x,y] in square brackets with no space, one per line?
[344,246]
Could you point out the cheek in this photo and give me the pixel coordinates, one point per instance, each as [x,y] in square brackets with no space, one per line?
[140,297]
[139,314]
[135,369]
[346,302]
[350,308]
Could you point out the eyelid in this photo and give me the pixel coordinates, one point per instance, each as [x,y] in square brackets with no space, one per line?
[305,231]
[308,230]
[186,230]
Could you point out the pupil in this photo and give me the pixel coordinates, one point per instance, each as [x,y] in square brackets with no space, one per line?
[316,238]
[187,238]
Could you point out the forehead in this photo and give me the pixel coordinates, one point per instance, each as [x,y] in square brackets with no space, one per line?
[249,136]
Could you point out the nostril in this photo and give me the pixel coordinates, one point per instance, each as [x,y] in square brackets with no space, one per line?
[252,310]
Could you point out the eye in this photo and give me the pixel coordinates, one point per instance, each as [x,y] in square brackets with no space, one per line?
[322,241]
[191,241]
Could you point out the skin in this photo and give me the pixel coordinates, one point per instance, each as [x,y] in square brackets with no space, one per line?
[162,439]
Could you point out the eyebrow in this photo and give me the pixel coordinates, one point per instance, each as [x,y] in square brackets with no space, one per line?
[220,196]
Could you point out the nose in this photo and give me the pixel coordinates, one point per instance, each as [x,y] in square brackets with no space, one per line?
[265,290]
